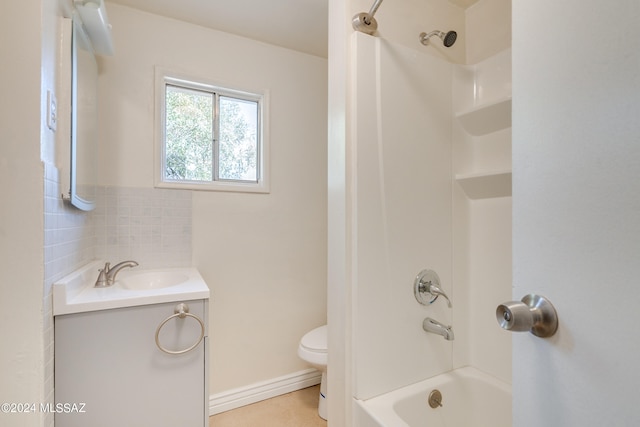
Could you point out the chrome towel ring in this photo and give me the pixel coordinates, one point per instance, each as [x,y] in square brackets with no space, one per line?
[181,311]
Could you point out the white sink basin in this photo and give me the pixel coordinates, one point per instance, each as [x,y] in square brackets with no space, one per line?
[76,293]
[149,280]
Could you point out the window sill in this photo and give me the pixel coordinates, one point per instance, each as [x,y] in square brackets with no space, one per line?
[233,187]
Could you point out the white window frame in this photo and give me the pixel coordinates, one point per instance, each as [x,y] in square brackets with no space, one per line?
[164,77]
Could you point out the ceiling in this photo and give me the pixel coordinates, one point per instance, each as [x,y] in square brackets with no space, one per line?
[464,3]
[294,24]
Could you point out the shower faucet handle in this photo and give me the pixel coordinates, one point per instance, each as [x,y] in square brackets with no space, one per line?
[426,288]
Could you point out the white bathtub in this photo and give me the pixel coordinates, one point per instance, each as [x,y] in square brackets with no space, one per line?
[470,398]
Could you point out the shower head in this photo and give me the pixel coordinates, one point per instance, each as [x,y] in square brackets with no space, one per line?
[448,38]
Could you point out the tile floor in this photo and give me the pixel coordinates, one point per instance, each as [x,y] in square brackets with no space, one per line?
[296,409]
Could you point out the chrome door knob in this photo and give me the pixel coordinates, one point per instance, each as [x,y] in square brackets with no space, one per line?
[533,313]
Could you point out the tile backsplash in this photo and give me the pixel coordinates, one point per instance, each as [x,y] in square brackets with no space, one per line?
[151,226]
[148,225]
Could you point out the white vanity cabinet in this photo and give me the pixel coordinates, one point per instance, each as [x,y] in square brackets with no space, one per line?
[109,370]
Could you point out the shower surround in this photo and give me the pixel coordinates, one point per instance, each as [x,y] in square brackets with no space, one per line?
[429,193]
[404,213]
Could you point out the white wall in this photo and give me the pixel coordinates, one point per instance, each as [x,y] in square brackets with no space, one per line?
[488,29]
[263,256]
[21,236]
[339,257]
[33,249]
[576,209]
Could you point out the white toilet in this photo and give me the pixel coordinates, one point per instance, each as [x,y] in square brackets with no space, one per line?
[313,349]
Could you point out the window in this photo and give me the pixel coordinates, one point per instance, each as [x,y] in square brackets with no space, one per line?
[210,137]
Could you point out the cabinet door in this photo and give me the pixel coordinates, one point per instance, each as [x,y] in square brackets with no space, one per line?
[108,360]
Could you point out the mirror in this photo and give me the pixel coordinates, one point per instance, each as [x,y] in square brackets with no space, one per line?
[84,120]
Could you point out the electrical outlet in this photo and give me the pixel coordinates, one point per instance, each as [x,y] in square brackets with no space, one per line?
[52,111]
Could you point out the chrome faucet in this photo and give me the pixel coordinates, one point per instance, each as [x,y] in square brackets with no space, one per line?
[107,276]
[436,327]
[435,290]
[426,288]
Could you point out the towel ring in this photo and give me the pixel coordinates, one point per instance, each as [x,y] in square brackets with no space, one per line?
[181,311]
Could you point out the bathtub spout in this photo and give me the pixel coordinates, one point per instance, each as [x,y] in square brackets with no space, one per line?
[436,327]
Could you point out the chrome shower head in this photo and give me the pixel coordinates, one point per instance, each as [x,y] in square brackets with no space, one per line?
[448,38]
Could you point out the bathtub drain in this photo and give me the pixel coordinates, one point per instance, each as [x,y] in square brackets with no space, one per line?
[435,399]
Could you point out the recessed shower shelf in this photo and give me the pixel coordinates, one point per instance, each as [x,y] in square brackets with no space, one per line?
[487,118]
[486,185]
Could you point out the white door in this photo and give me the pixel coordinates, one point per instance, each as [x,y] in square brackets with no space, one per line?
[576,209]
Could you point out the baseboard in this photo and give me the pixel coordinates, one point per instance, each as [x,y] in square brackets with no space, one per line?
[237,397]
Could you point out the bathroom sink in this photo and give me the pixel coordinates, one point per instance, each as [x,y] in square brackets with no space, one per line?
[151,280]
[76,292]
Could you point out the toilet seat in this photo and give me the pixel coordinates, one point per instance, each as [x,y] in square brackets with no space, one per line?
[315,340]
[313,347]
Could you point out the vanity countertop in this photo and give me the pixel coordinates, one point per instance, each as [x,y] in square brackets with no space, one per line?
[75,293]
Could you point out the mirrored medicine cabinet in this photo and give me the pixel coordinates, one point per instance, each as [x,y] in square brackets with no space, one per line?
[89,33]
[84,120]
[86,32]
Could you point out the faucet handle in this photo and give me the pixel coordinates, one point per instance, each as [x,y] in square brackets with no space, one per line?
[426,288]
[101,281]
[433,289]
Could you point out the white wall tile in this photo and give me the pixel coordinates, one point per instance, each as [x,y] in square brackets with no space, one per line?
[151,226]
